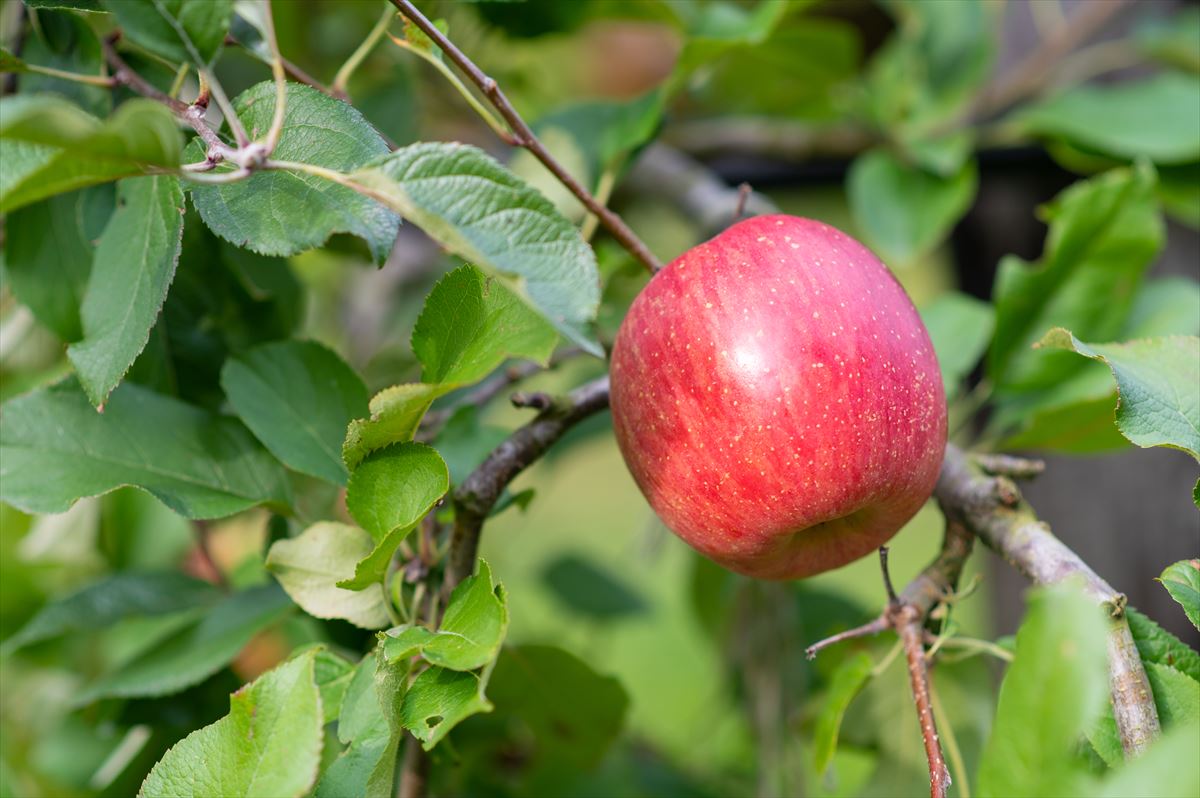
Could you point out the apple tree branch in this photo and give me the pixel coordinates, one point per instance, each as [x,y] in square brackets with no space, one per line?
[521,135]
[991,507]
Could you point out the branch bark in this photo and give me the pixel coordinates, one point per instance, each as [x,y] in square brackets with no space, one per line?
[479,492]
[991,507]
[523,136]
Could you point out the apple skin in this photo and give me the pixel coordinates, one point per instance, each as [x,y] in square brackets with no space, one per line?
[777,399]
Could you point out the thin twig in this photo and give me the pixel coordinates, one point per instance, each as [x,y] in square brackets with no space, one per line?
[909,624]
[479,492]
[523,136]
[277,72]
[231,117]
[492,387]
[342,78]
[905,614]
[104,81]
[992,509]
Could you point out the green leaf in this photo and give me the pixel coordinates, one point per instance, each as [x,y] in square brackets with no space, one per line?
[960,327]
[924,76]
[65,41]
[178,30]
[49,254]
[1179,192]
[297,397]
[1104,232]
[1112,119]
[905,213]
[1053,691]
[74,5]
[1176,695]
[396,413]
[1174,40]
[1182,581]
[310,566]
[332,674]
[133,268]
[572,712]
[479,210]
[1156,644]
[470,324]
[49,146]
[846,683]
[389,493]
[112,599]
[286,212]
[1158,380]
[470,633]
[720,29]
[197,652]
[268,745]
[370,725]
[604,132]
[55,448]
[1161,772]
[1076,415]
[439,700]
[588,589]
[10,62]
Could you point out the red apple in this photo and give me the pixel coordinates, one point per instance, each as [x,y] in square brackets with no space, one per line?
[778,400]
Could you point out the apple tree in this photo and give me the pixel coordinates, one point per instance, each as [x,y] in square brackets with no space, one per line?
[312,313]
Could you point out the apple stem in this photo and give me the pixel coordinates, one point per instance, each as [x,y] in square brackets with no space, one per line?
[893,599]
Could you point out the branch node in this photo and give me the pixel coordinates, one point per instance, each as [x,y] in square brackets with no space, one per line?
[538,400]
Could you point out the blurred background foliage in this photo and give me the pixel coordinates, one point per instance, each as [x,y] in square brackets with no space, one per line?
[929,129]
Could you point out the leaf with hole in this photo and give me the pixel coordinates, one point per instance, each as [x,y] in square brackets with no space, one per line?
[439,700]
[470,633]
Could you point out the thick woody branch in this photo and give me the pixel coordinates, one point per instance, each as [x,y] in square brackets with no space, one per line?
[522,136]
[479,492]
[991,507]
